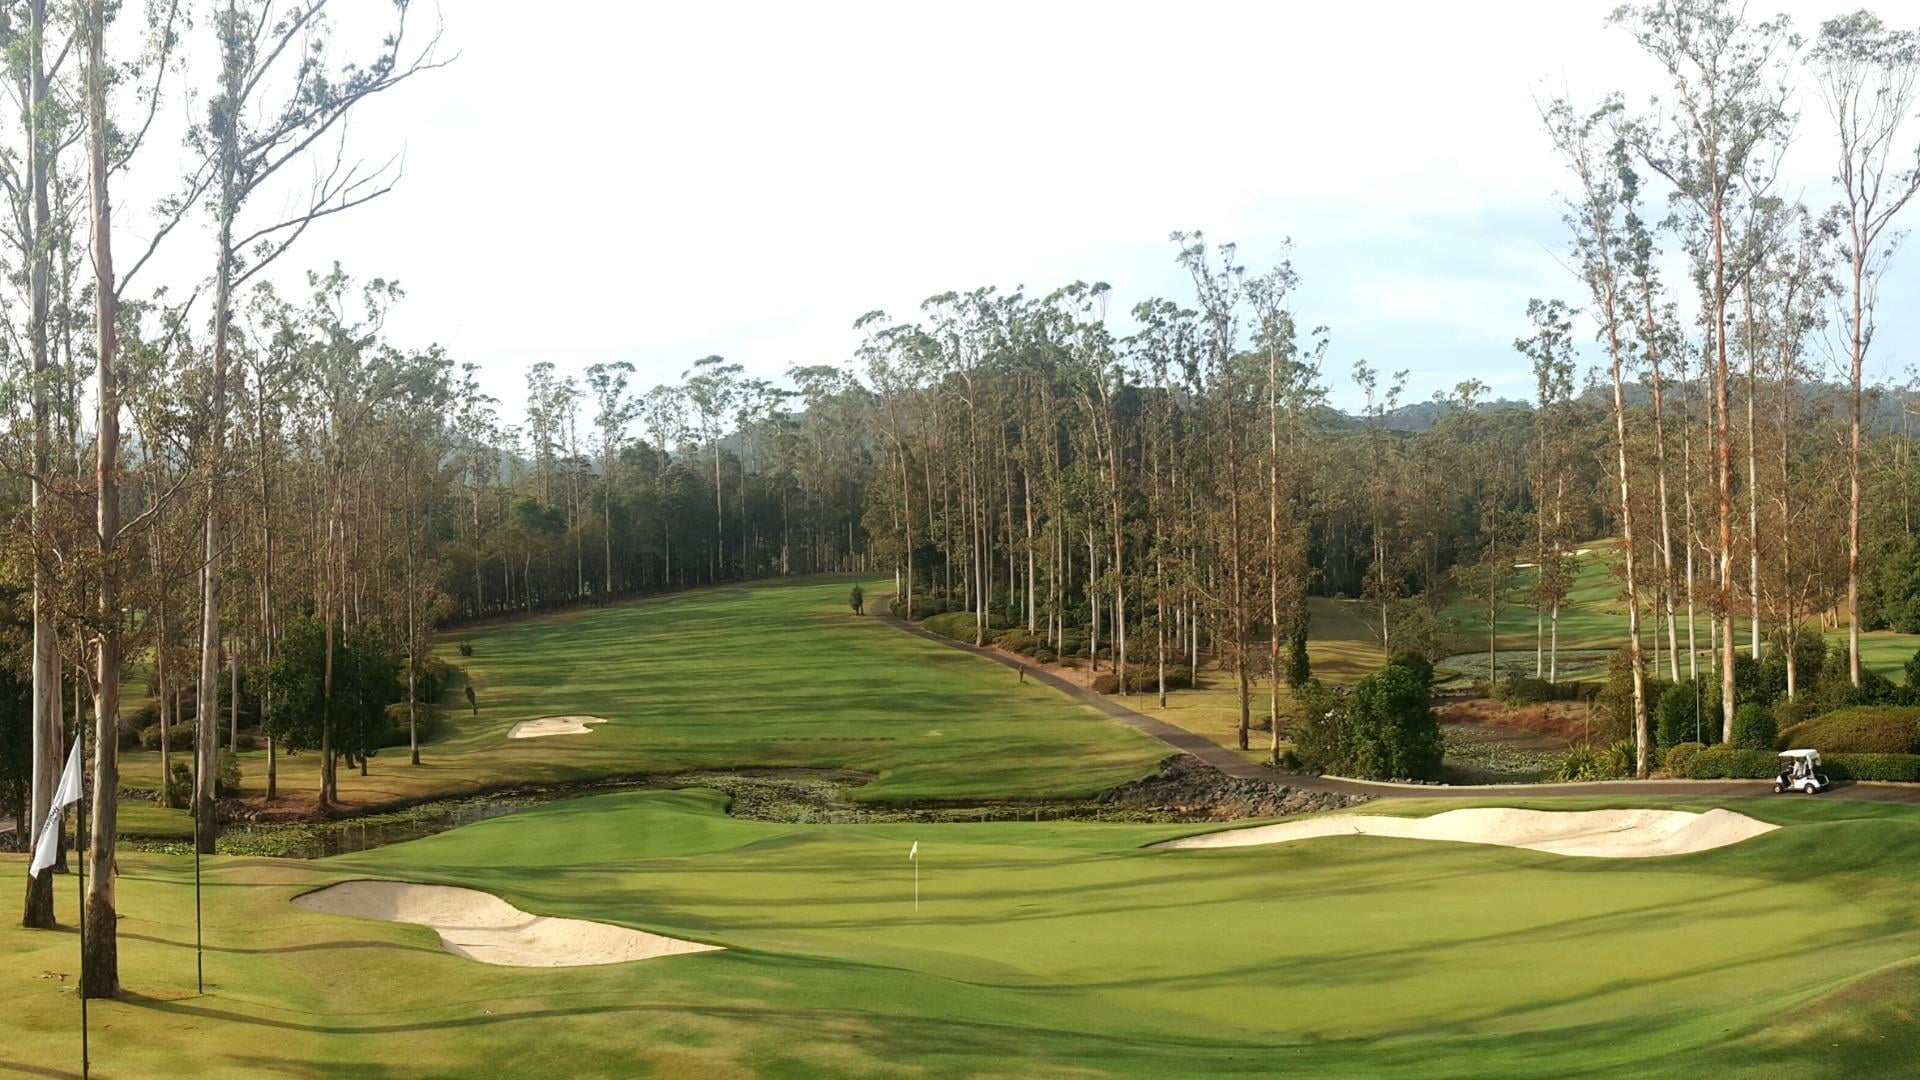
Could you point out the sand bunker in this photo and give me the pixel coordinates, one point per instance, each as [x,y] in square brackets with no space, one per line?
[1602,834]
[481,926]
[554,725]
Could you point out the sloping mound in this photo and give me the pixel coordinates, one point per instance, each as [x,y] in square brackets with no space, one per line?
[481,926]
[1601,834]
[554,725]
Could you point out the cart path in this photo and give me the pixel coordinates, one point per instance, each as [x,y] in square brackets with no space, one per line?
[1232,764]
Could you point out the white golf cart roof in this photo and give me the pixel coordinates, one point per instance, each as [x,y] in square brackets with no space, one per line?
[1811,757]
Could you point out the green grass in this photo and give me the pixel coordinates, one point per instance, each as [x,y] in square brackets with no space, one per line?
[1594,616]
[1058,949]
[774,674]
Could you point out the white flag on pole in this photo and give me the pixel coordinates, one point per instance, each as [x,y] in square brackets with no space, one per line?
[46,850]
[913,853]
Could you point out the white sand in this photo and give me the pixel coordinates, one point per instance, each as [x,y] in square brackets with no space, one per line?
[1603,834]
[554,725]
[481,926]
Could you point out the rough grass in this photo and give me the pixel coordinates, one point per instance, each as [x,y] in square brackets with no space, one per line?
[1059,949]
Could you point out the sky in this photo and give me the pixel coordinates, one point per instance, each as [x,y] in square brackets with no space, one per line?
[658,182]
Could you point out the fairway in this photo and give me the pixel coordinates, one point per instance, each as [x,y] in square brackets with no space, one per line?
[1067,948]
[767,674]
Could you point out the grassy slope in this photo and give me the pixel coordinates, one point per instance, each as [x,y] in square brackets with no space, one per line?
[1039,950]
[773,674]
[1344,646]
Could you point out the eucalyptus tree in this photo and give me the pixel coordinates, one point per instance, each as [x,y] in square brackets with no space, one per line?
[274,101]
[1869,79]
[49,118]
[1593,215]
[712,390]
[615,410]
[1219,293]
[1550,350]
[1721,130]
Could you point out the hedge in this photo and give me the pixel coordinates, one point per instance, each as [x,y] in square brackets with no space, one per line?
[1726,763]
[1679,754]
[1904,768]
[1722,763]
[1145,679]
[178,736]
[1865,729]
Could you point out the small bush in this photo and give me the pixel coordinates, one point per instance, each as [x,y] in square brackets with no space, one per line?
[1787,714]
[246,740]
[179,785]
[1145,679]
[1689,712]
[1584,763]
[1384,730]
[1621,758]
[226,775]
[1019,641]
[466,648]
[1679,754]
[179,736]
[1421,667]
[1526,690]
[1868,729]
[1045,655]
[1728,763]
[1753,728]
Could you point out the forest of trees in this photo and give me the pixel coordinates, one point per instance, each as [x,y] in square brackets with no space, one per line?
[251,495]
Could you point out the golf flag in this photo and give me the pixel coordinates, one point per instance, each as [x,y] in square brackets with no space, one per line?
[913,852]
[46,850]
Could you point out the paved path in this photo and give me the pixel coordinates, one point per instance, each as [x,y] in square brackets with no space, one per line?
[1233,764]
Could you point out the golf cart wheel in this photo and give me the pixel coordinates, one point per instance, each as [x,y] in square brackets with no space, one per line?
[1777,789]
[1810,790]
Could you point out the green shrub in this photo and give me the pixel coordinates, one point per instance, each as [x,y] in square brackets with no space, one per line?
[1384,730]
[466,648]
[1868,729]
[1297,666]
[1903,768]
[1583,763]
[1527,690]
[1018,641]
[179,737]
[1688,712]
[179,785]
[1622,757]
[1145,679]
[1787,714]
[1420,666]
[226,774]
[1045,655]
[1753,727]
[1679,754]
[1728,763]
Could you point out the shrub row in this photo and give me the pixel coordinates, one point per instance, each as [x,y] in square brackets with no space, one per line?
[178,736]
[1526,690]
[1725,763]
[1145,680]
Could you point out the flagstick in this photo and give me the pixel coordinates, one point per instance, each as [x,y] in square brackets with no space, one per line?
[916,885]
[79,832]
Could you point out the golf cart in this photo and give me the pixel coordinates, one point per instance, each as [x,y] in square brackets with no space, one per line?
[1798,773]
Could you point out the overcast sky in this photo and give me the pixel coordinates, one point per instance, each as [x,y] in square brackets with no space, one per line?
[657,182]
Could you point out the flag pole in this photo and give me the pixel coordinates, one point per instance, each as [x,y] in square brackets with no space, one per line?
[79,841]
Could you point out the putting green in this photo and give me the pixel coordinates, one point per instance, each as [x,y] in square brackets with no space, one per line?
[1039,949]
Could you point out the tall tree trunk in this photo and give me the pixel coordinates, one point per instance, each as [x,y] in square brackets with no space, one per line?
[100,967]
[45,705]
